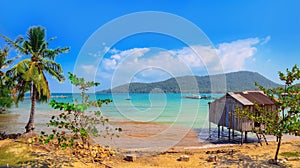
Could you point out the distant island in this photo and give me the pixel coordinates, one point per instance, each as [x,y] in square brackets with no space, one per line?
[235,81]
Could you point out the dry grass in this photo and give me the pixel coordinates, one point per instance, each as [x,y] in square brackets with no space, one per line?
[247,155]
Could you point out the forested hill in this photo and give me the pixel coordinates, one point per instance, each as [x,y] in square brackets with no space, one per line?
[235,81]
[297,85]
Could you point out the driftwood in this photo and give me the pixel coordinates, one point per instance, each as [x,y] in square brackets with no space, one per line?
[230,152]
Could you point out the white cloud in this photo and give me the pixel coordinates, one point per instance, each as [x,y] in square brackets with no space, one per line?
[114,60]
[116,57]
[88,72]
[109,64]
[114,51]
[265,40]
[105,49]
[149,63]
[88,68]
[233,55]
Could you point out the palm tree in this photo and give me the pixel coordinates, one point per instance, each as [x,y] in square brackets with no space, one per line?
[5,96]
[30,72]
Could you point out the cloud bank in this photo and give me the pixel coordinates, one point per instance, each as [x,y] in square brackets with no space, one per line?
[153,64]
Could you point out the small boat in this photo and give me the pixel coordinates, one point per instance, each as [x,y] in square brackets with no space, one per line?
[59,96]
[192,97]
[206,97]
[128,98]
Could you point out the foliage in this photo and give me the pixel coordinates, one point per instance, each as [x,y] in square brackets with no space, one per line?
[286,98]
[76,122]
[6,84]
[236,81]
[29,73]
[32,70]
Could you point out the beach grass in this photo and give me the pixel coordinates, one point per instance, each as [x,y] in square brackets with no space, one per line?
[290,154]
[14,154]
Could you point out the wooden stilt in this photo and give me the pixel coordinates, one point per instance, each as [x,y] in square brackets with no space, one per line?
[229,134]
[246,137]
[209,128]
[242,138]
[218,131]
[232,133]
[222,129]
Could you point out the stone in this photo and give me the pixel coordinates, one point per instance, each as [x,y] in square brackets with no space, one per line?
[184,158]
[211,158]
[130,158]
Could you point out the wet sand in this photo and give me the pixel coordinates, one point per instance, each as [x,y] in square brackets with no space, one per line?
[147,137]
[150,137]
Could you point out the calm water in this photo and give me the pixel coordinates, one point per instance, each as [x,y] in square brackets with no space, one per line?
[164,108]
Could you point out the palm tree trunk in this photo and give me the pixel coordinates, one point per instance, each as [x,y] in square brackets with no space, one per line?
[30,125]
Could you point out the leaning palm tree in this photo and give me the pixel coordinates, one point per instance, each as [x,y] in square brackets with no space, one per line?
[30,72]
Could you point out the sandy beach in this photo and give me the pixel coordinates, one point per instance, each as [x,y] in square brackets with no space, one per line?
[160,145]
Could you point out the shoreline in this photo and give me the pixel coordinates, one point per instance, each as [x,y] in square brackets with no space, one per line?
[154,136]
[160,137]
[160,146]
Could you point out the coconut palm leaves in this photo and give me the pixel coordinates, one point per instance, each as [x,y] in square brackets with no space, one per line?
[5,88]
[30,73]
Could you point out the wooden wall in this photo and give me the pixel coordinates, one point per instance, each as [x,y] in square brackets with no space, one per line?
[221,113]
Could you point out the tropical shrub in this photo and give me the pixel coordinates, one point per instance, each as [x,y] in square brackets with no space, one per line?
[76,123]
[278,122]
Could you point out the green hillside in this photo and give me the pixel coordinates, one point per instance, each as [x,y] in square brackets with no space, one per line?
[297,85]
[235,81]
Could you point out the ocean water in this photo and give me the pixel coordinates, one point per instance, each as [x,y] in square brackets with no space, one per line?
[159,108]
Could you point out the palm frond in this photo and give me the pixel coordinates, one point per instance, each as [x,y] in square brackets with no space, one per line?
[32,73]
[51,54]
[36,37]
[15,44]
[4,63]
[27,48]
[54,69]
[20,68]
[51,39]
[43,91]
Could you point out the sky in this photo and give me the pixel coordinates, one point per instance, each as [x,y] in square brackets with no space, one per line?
[115,42]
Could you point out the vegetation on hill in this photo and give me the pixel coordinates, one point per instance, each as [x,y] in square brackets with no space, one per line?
[235,81]
[297,85]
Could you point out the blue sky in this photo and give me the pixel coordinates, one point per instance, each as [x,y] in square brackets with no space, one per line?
[260,36]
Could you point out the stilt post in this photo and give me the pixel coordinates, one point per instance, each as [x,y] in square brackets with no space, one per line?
[229,134]
[209,128]
[242,137]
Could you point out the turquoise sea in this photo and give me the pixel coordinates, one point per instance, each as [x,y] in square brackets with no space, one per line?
[161,108]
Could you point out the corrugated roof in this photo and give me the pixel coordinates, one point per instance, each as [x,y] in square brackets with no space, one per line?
[240,98]
[250,97]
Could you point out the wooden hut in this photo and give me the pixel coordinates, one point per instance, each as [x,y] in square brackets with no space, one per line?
[221,111]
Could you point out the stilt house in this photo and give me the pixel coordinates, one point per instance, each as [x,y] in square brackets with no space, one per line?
[221,111]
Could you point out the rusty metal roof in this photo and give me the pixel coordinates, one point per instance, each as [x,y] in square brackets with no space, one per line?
[250,97]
